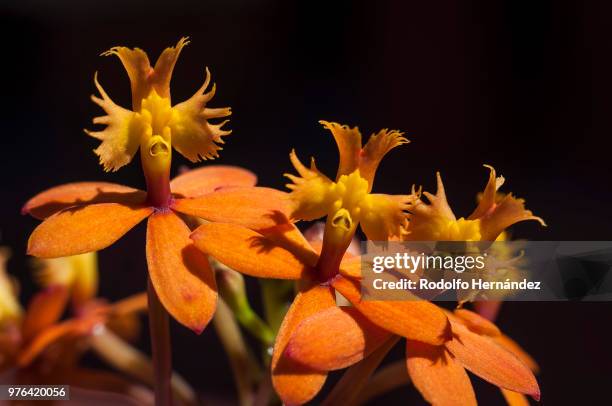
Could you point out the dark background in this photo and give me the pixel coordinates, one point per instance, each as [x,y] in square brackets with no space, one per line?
[522,85]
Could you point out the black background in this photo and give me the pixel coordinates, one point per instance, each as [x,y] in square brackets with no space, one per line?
[522,85]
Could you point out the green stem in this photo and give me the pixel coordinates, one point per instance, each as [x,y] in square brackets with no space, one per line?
[274,294]
[159,327]
[233,290]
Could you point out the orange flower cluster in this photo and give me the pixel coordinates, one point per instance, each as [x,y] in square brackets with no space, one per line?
[38,346]
[253,230]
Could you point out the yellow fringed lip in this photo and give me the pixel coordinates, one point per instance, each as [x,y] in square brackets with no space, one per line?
[185,125]
[349,197]
[435,221]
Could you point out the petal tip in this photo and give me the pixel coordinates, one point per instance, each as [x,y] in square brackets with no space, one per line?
[198,329]
[536,394]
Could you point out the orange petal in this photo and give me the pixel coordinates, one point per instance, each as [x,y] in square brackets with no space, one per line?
[45,309]
[414,319]
[296,384]
[257,208]
[70,194]
[50,335]
[351,267]
[518,351]
[77,230]
[290,237]
[514,398]
[477,323]
[44,340]
[438,376]
[200,181]
[247,251]
[180,273]
[493,363]
[334,338]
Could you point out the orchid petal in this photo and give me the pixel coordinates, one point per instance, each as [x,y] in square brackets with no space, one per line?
[311,191]
[351,267]
[82,229]
[247,251]
[137,65]
[160,77]
[477,323]
[122,135]
[181,275]
[297,384]
[508,211]
[427,219]
[414,319]
[43,340]
[257,208]
[493,363]
[512,346]
[61,197]
[487,200]
[349,146]
[438,376]
[207,179]
[375,149]
[290,237]
[192,135]
[50,335]
[334,338]
[384,215]
[45,309]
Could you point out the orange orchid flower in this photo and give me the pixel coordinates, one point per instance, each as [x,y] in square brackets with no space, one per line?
[282,252]
[495,212]
[111,339]
[478,346]
[437,371]
[336,338]
[37,347]
[89,216]
[46,349]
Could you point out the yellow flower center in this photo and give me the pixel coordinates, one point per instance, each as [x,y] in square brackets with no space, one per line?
[350,197]
[156,113]
[456,230]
